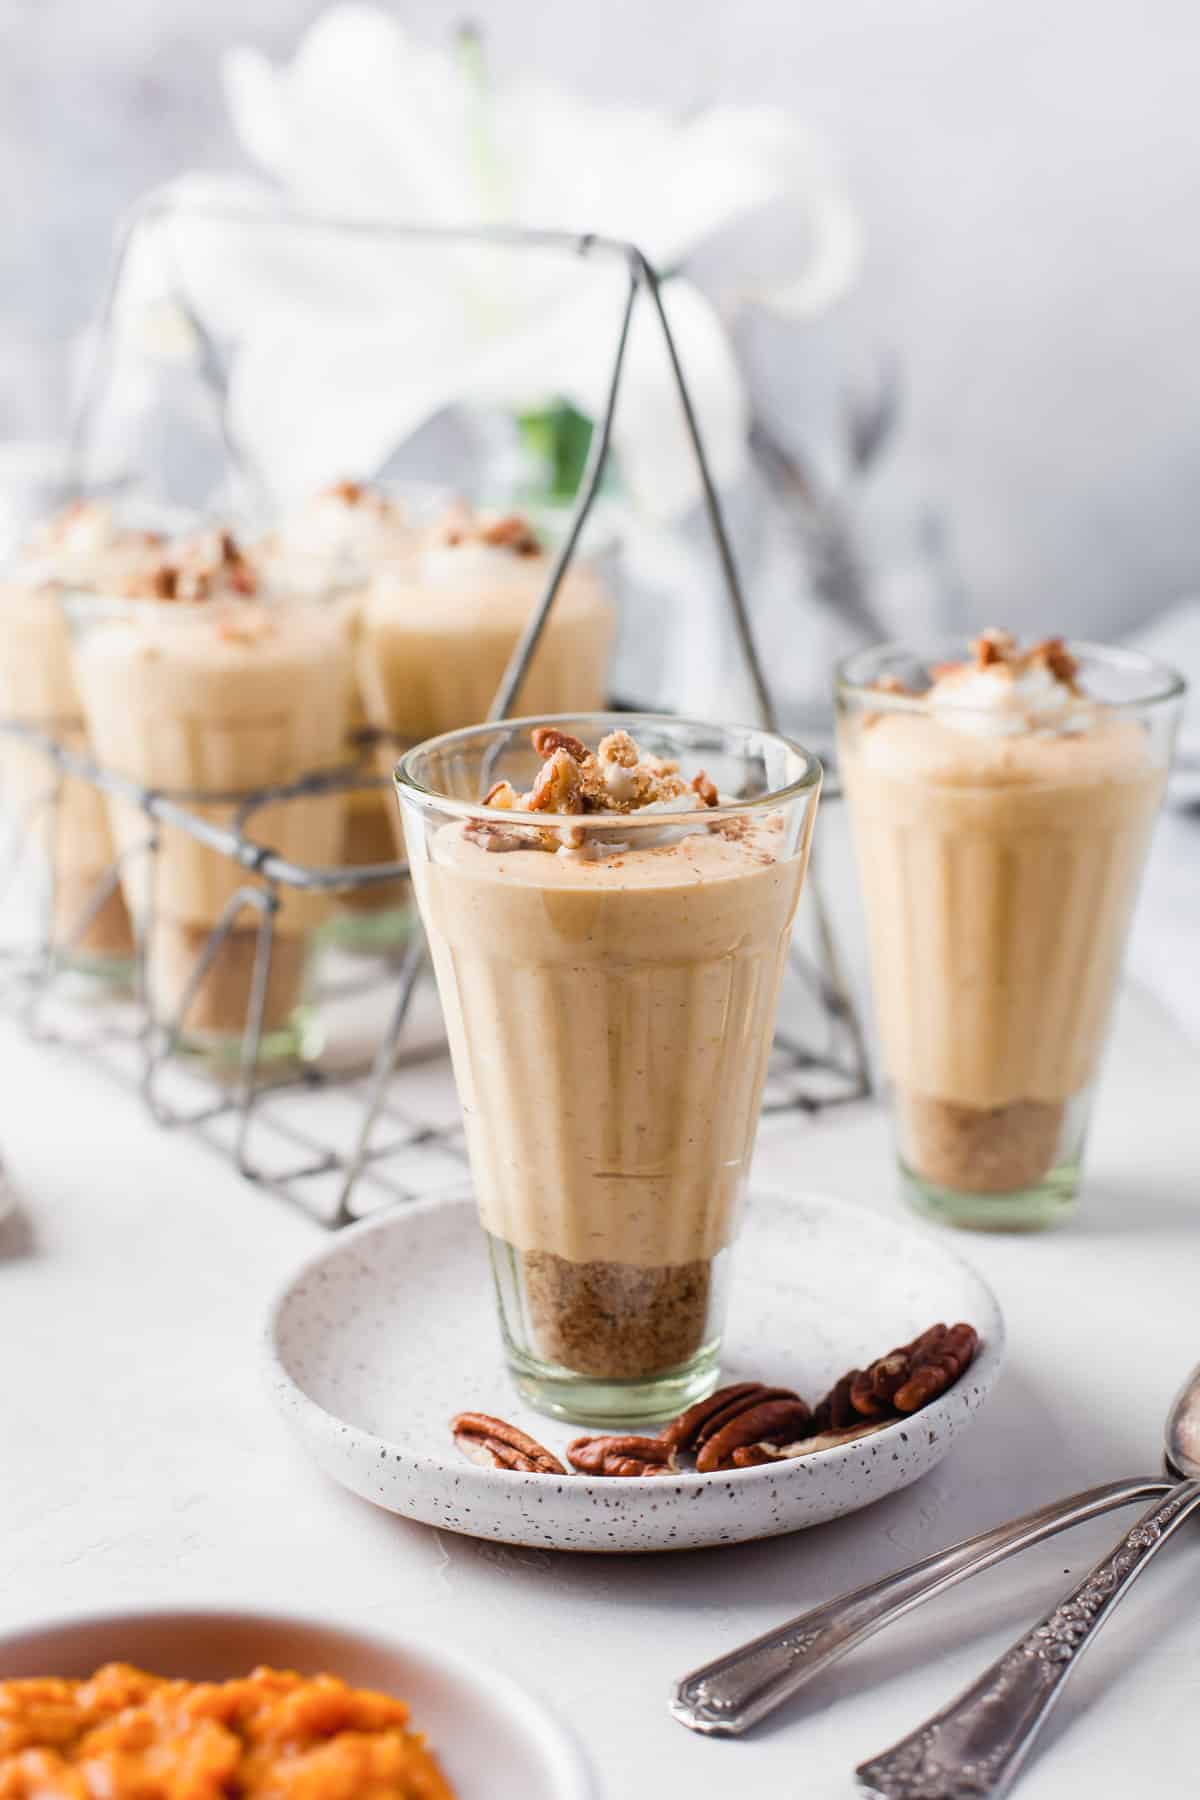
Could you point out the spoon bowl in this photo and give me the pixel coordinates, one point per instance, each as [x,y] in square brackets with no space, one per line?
[1182,1445]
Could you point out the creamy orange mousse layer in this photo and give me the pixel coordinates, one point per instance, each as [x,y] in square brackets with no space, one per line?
[440,625]
[126,1735]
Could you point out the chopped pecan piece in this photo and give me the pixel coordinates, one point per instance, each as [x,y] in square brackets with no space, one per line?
[557,788]
[495,1444]
[621,1456]
[706,789]
[546,740]
[512,532]
[1052,654]
[501,794]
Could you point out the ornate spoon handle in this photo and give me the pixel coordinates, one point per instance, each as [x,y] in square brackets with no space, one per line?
[974,1748]
[727,1696]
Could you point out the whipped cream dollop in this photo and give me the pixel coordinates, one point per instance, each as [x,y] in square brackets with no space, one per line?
[201,566]
[1004,690]
[85,543]
[348,522]
[467,547]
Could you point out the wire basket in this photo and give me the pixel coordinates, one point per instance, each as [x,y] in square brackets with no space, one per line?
[380,1123]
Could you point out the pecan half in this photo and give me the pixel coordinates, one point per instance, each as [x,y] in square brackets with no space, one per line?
[835,1412]
[706,789]
[903,1381]
[546,740]
[993,646]
[557,787]
[939,1358]
[621,1456]
[686,1432]
[743,1413]
[495,1444]
[778,1420]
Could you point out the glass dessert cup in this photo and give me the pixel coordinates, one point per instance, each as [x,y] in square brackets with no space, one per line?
[214,704]
[1000,858]
[440,625]
[89,925]
[435,629]
[610,996]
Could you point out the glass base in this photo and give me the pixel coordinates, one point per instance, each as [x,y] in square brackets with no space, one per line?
[300,1040]
[584,1400]
[112,973]
[607,1344]
[1036,1208]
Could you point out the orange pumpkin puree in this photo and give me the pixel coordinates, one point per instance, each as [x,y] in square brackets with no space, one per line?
[125,1735]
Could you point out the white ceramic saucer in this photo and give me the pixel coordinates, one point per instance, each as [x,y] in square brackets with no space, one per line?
[390,1330]
[494,1742]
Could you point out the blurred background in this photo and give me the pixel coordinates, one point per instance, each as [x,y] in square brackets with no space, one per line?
[1022,177]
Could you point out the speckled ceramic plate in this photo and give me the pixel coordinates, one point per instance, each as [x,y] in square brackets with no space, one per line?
[494,1741]
[390,1329]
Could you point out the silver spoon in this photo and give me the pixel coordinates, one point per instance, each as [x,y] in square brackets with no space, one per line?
[728,1695]
[976,1746]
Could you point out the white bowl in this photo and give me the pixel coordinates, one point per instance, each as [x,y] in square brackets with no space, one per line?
[390,1329]
[493,1740]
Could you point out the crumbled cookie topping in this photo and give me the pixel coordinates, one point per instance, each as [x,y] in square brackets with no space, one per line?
[208,565]
[460,526]
[999,654]
[616,778]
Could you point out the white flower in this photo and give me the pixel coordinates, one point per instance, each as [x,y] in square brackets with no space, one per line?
[344,348]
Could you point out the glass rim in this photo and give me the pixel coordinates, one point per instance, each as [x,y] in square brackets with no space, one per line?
[1167,683]
[808,782]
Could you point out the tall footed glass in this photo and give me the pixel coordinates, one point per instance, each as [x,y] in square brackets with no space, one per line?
[1002,803]
[609,981]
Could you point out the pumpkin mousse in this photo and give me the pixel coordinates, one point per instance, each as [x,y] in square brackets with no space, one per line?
[440,625]
[1001,815]
[195,686]
[83,546]
[609,945]
[331,548]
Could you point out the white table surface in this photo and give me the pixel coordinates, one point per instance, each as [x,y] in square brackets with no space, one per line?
[141,1460]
